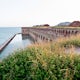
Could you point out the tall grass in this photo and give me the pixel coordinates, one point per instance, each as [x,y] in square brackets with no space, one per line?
[69,41]
[42,61]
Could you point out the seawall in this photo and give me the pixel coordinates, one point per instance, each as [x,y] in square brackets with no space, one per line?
[6,43]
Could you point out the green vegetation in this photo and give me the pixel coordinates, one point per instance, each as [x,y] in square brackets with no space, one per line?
[42,62]
[69,41]
[66,27]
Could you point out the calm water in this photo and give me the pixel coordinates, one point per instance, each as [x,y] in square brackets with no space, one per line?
[17,43]
[7,32]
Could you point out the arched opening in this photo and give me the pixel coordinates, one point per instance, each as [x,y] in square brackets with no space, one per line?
[76,32]
[63,31]
[72,32]
[43,38]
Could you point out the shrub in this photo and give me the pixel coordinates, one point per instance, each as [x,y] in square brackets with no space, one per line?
[41,62]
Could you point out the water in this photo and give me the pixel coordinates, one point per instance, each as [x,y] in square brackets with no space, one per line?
[18,42]
[7,32]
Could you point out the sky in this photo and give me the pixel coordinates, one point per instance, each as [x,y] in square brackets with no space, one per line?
[20,13]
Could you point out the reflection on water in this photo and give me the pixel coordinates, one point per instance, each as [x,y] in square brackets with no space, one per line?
[17,43]
[28,37]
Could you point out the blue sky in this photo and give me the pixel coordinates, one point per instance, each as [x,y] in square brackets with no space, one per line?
[33,12]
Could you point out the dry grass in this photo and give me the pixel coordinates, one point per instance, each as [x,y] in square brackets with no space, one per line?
[43,61]
[59,47]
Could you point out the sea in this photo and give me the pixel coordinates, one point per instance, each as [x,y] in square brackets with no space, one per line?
[17,43]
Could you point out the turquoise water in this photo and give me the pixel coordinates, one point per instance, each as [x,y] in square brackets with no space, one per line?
[17,43]
[7,32]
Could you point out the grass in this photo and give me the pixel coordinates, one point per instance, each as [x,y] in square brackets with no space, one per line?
[66,27]
[69,41]
[43,61]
